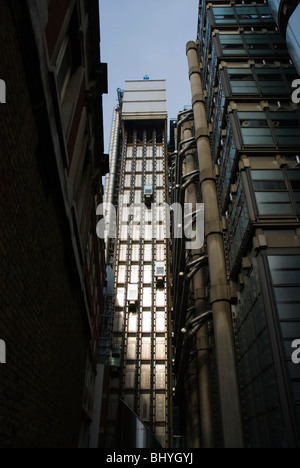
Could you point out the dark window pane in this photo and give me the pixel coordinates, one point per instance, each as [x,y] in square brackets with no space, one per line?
[284,261]
[257,136]
[288,311]
[294,370]
[294,177]
[272,203]
[251,123]
[264,75]
[296,390]
[241,77]
[288,295]
[267,175]
[270,185]
[290,329]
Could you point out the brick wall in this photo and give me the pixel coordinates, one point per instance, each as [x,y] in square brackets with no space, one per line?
[41,312]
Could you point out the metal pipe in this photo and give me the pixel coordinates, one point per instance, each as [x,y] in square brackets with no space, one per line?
[111,178]
[230,406]
[203,356]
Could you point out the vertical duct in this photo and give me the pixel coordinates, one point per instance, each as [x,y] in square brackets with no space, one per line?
[219,295]
[198,286]
[111,178]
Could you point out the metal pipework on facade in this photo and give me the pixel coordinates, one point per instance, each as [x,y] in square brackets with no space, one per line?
[111,179]
[195,274]
[219,295]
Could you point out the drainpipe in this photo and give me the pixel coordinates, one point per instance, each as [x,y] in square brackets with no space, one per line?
[191,385]
[229,395]
[202,342]
[111,177]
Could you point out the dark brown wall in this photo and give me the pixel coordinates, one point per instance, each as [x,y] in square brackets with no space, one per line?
[41,312]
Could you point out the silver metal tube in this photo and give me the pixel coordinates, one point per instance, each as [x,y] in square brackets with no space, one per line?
[111,177]
[219,295]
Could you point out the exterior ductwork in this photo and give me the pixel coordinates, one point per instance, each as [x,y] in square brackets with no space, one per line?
[111,177]
[219,295]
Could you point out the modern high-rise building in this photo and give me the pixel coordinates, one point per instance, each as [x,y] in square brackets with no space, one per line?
[287,15]
[137,356]
[237,300]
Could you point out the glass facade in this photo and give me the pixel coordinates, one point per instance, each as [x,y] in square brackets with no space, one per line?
[287,16]
[247,76]
[140,371]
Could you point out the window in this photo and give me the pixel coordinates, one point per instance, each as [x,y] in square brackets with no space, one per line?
[159,180]
[285,274]
[139,152]
[149,166]
[118,322]
[160,298]
[148,253]
[138,181]
[135,273]
[120,299]
[139,166]
[160,252]
[271,129]
[126,197]
[147,322]
[148,189]
[232,44]
[146,348]
[159,151]
[130,377]
[135,254]
[137,196]
[145,407]
[294,177]
[271,193]
[132,328]
[128,181]
[255,129]
[160,322]
[147,297]
[160,196]
[122,274]
[128,166]
[64,67]
[160,269]
[123,253]
[286,127]
[160,166]
[124,232]
[160,348]
[149,152]
[149,179]
[160,415]
[242,81]
[160,377]
[148,274]
[145,376]
[133,292]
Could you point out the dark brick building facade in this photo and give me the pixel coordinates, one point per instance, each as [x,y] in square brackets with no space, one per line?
[51,261]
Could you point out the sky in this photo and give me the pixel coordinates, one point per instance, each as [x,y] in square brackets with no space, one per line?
[147,37]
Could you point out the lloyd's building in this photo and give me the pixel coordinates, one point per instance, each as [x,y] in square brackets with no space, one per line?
[138,378]
[243,386]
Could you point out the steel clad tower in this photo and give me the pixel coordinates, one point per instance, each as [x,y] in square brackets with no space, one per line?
[236,364]
[139,377]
